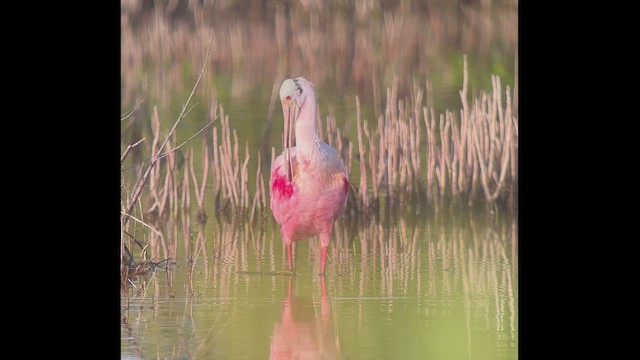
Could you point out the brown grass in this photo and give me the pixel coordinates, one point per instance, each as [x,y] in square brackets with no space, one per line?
[411,161]
[411,157]
[129,202]
[358,45]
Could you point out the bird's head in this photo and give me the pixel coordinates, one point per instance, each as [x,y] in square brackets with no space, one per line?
[296,95]
[294,92]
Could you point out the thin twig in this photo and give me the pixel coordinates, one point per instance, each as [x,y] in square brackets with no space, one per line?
[134,240]
[126,151]
[164,154]
[126,115]
[143,180]
[143,223]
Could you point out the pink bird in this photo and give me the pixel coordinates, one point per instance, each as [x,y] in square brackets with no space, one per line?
[309,182]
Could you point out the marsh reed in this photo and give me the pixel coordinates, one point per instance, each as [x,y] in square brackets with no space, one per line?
[405,159]
[409,158]
[368,43]
[410,161]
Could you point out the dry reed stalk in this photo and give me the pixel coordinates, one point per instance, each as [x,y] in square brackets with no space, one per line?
[465,157]
[413,150]
[155,248]
[200,193]
[415,139]
[436,158]
[263,191]
[372,161]
[222,146]
[493,115]
[198,249]
[232,160]
[273,159]
[455,161]
[406,169]
[497,143]
[185,202]
[501,126]
[406,185]
[441,168]
[244,179]
[475,163]
[217,171]
[388,140]
[236,155]
[402,135]
[205,170]
[173,182]
[393,121]
[155,174]
[227,174]
[142,181]
[364,199]
[504,163]
[512,125]
[470,165]
[452,163]
[381,168]
[233,176]
[447,144]
[129,147]
[481,160]
[430,129]
[259,189]
[388,157]
[186,214]
[485,122]
[340,148]
[231,193]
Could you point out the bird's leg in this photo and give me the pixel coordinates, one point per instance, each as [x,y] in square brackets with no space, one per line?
[290,255]
[324,246]
[323,258]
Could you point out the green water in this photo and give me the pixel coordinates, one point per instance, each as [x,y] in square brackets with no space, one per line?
[438,288]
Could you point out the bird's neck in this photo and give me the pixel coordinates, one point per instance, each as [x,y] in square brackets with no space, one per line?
[307,139]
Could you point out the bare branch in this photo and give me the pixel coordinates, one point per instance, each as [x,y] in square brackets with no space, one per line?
[143,223]
[143,180]
[126,151]
[135,107]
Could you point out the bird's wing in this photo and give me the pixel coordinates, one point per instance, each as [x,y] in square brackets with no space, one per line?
[333,174]
[283,193]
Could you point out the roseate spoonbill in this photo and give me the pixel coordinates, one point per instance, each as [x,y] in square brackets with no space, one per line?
[309,182]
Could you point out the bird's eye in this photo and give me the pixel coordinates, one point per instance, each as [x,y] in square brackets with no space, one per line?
[289,97]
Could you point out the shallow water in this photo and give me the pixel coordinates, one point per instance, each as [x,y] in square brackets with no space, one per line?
[439,287]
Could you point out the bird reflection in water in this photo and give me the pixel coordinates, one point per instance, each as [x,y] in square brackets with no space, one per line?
[303,333]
